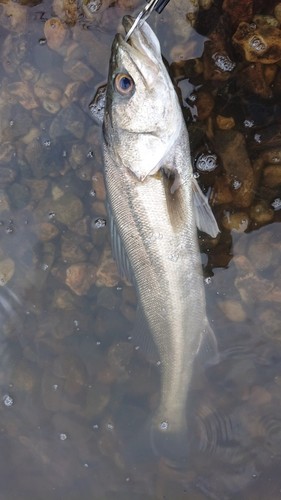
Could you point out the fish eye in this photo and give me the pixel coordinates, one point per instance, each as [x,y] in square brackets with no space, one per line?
[124,83]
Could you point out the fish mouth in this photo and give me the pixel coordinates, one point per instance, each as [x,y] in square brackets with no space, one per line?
[127,23]
[142,38]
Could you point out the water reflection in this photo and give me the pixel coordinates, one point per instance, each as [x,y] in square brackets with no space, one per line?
[73,390]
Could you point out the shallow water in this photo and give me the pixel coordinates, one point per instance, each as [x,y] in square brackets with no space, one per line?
[74,392]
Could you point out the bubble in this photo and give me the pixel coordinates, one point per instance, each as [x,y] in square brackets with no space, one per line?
[257,138]
[8,400]
[51,215]
[99,223]
[164,426]
[86,465]
[223,62]
[62,436]
[208,280]
[55,387]
[95,427]
[248,123]
[236,184]
[173,257]
[196,175]
[90,154]
[92,193]
[276,204]
[44,267]
[94,5]
[257,44]
[110,426]
[206,162]
[46,143]
[153,237]
[42,41]
[10,227]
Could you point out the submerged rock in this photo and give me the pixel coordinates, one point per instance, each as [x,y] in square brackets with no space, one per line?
[239,174]
[80,277]
[258,43]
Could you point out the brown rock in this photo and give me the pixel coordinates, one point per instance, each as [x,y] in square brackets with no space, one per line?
[7,269]
[23,94]
[238,221]
[66,10]
[204,104]
[277,12]
[251,287]
[225,122]
[231,147]
[253,79]
[63,299]
[66,209]
[258,43]
[38,188]
[238,11]
[78,70]
[80,277]
[13,16]
[46,231]
[272,176]
[107,272]
[272,156]
[54,32]
[261,213]
[233,310]
[221,192]
[4,201]
[128,311]
[72,250]
[99,208]
[261,251]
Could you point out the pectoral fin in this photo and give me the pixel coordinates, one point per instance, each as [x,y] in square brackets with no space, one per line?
[118,251]
[204,217]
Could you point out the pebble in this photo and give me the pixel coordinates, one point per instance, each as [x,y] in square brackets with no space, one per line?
[238,221]
[261,213]
[107,272]
[80,277]
[233,310]
[54,32]
[225,122]
[67,209]
[272,175]
[7,270]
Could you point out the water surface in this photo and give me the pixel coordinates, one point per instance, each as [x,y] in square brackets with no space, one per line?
[74,391]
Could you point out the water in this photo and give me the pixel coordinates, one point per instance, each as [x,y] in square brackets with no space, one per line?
[74,391]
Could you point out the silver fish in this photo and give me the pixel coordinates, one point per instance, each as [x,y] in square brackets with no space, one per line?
[155,205]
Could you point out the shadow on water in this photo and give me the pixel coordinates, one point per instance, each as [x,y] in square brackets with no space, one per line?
[76,397]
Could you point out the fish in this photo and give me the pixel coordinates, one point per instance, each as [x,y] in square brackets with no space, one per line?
[155,206]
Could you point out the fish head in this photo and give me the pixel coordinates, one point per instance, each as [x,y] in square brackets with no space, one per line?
[142,117]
